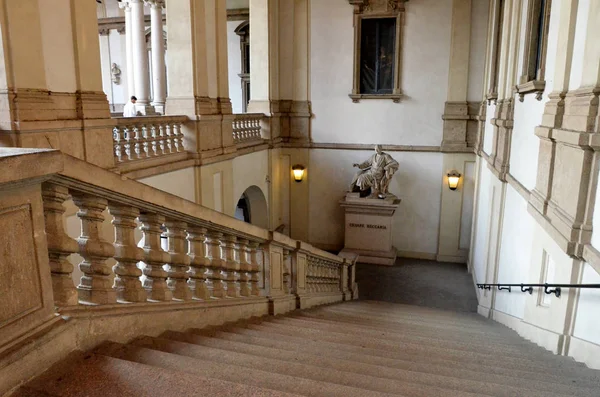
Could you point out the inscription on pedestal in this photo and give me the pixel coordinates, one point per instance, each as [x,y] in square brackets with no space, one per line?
[368,226]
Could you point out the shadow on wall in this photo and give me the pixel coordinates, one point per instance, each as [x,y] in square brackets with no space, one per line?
[252,207]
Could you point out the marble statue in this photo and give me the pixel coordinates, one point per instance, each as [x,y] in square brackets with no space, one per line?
[115,74]
[374,175]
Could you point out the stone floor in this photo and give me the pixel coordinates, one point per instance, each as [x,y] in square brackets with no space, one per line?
[418,282]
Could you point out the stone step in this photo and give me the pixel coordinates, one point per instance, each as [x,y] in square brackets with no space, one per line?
[431,365]
[498,386]
[397,349]
[474,323]
[424,334]
[102,376]
[480,346]
[234,372]
[509,336]
[319,369]
[420,357]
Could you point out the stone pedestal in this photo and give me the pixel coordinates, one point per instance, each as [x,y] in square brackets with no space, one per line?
[368,228]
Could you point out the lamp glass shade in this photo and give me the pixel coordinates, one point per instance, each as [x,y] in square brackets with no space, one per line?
[298,171]
[453,180]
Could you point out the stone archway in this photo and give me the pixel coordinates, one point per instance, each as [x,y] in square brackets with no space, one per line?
[252,207]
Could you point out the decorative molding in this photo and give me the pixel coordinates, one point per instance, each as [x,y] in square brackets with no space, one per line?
[378,9]
[118,23]
[238,14]
[530,87]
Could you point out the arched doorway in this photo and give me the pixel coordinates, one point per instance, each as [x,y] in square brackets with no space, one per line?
[252,207]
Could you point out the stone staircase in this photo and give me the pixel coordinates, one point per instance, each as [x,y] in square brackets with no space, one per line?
[350,349]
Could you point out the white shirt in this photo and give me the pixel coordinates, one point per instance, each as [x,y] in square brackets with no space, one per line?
[129,110]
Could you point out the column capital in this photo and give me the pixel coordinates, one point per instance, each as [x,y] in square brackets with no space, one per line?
[155,3]
[124,4]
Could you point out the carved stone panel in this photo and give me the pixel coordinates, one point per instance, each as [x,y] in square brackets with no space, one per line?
[19,284]
[25,282]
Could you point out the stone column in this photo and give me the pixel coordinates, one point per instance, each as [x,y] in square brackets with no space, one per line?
[140,57]
[197,68]
[159,83]
[53,47]
[128,49]
[456,112]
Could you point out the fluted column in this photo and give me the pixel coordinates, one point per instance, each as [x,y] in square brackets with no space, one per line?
[95,285]
[196,237]
[140,57]
[128,48]
[127,274]
[179,262]
[155,277]
[60,245]
[159,83]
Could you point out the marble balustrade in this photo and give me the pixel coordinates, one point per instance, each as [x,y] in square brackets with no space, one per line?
[139,138]
[247,127]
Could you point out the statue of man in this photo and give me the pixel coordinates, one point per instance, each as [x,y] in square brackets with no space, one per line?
[375,174]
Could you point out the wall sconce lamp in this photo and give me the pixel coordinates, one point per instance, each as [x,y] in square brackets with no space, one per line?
[298,171]
[453,179]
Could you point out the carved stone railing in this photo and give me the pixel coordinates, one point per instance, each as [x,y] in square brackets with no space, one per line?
[247,127]
[213,268]
[138,138]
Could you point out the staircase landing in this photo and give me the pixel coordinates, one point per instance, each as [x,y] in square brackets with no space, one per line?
[419,282]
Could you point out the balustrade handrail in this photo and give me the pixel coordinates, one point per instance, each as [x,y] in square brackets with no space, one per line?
[549,288]
[119,120]
[220,259]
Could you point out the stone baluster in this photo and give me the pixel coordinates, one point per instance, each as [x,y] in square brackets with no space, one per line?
[127,274]
[137,138]
[286,271]
[216,283]
[60,245]
[153,140]
[154,276]
[118,142]
[95,285]
[161,138]
[169,135]
[254,290]
[180,136]
[245,268]
[127,133]
[232,266]
[178,263]
[145,140]
[196,237]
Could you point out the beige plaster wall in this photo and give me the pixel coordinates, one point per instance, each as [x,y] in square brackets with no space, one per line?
[417,119]
[181,183]
[418,183]
[251,170]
